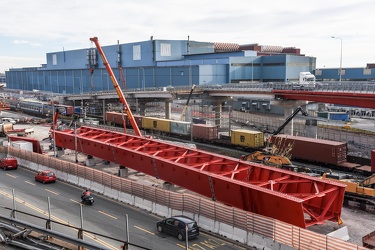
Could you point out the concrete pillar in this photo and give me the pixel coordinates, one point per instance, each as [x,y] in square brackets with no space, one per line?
[90,161]
[168,109]
[142,108]
[311,128]
[123,171]
[168,186]
[289,127]
[217,109]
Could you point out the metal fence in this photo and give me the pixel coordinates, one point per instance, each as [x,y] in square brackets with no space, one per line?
[251,223]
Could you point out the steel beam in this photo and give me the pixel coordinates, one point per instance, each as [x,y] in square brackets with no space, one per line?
[365,100]
[264,190]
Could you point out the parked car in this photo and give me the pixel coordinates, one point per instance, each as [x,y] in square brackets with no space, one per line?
[9,163]
[45,176]
[177,225]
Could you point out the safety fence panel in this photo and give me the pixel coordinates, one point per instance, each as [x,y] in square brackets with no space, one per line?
[283,233]
[261,225]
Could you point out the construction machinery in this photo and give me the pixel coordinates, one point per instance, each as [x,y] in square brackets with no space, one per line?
[272,155]
[358,193]
[183,115]
[117,87]
[295,112]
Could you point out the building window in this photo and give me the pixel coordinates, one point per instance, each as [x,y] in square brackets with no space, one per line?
[137,52]
[165,49]
[367,71]
[54,59]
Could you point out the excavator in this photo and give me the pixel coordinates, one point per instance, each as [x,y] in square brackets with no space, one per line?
[273,156]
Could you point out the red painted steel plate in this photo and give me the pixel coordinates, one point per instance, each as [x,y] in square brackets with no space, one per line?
[365,100]
[290,197]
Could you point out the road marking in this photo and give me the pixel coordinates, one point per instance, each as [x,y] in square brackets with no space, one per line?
[144,230]
[51,191]
[12,176]
[89,235]
[30,183]
[113,217]
[76,202]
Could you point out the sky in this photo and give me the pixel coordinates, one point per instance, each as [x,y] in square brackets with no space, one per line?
[30,29]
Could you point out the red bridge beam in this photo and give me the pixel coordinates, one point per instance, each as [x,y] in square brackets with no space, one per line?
[290,197]
[365,100]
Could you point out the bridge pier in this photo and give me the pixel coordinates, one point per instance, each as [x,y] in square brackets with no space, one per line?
[218,104]
[289,106]
[168,109]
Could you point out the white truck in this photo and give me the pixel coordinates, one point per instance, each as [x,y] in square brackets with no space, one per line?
[306,81]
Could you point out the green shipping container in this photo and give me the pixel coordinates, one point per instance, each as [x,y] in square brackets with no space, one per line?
[247,138]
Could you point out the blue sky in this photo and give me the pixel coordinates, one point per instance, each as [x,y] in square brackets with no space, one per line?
[30,29]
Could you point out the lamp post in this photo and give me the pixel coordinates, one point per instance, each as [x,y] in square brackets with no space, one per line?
[340,73]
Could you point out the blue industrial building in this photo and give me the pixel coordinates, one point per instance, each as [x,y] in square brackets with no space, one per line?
[160,63]
[347,74]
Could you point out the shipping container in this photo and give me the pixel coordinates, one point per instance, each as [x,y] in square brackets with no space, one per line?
[323,114]
[113,117]
[180,128]
[117,119]
[205,132]
[158,124]
[314,150]
[339,116]
[247,138]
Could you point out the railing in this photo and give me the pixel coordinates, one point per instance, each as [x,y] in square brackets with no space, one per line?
[252,224]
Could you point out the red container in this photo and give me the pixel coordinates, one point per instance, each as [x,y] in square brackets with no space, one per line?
[314,150]
[113,117]
[373,161]
[116,118]
[205,132]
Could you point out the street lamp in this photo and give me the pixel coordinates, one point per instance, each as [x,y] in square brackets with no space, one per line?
[336,37]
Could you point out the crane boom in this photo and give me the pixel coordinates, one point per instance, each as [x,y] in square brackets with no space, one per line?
[304,113]
[187,103]
[117,86]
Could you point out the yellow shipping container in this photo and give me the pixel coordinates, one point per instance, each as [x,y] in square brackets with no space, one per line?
[156,124]
[247,138]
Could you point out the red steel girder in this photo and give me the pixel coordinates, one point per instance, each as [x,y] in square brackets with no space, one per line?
[272,192]
[365,100]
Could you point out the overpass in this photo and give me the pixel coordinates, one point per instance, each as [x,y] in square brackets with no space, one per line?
[349,93]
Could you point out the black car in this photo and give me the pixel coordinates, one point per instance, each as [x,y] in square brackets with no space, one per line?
[177,225]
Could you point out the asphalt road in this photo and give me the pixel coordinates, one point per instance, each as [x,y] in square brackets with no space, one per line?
[106,216]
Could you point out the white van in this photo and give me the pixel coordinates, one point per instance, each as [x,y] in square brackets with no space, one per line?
[8,119]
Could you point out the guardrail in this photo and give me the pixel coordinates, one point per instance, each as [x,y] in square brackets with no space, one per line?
[248,228]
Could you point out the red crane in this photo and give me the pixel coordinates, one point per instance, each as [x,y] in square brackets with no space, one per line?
[117,86]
